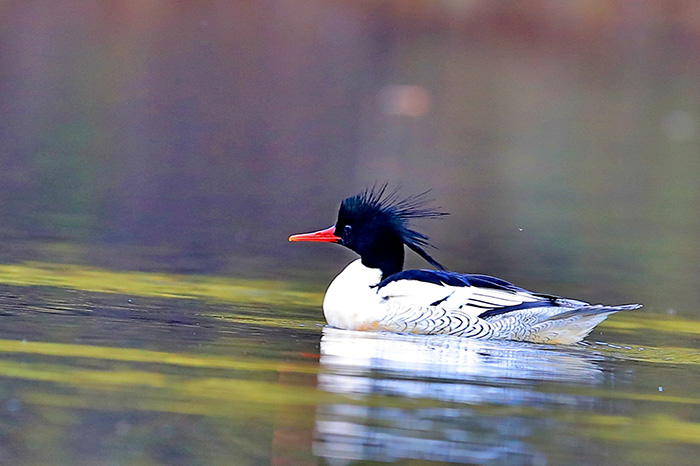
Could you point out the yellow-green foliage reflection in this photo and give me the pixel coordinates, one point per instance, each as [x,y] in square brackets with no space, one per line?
[658,355]
[649,428]
[637,321]
[146,356]
[155,284]
[136,380]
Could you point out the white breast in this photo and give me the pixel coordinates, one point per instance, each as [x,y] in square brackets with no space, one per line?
[351,299]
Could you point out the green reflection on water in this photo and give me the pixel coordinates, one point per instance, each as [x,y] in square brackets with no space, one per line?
[658,355]
[146,356]
[156,391]
[648,428]
[644,322]
[153,284]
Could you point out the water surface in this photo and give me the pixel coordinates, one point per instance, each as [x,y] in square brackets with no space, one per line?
[108,377]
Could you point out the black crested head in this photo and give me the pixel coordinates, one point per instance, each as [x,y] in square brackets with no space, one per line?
[375,224]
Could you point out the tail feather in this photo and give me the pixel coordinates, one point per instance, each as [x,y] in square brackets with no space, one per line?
[555,325]
[592,310]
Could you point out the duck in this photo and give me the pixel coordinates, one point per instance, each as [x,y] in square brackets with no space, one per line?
[375,293]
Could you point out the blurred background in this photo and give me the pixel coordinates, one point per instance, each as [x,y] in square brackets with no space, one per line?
[194,137]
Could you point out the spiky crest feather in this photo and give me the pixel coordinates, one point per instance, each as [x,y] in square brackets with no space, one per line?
[379,201]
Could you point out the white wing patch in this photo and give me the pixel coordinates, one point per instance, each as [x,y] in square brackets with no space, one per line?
[471,300]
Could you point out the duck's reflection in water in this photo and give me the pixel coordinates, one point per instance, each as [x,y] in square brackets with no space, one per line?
[451,399]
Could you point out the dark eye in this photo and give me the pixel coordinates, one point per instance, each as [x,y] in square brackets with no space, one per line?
[347,229]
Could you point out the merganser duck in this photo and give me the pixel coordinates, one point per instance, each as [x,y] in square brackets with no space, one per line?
[374,293]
